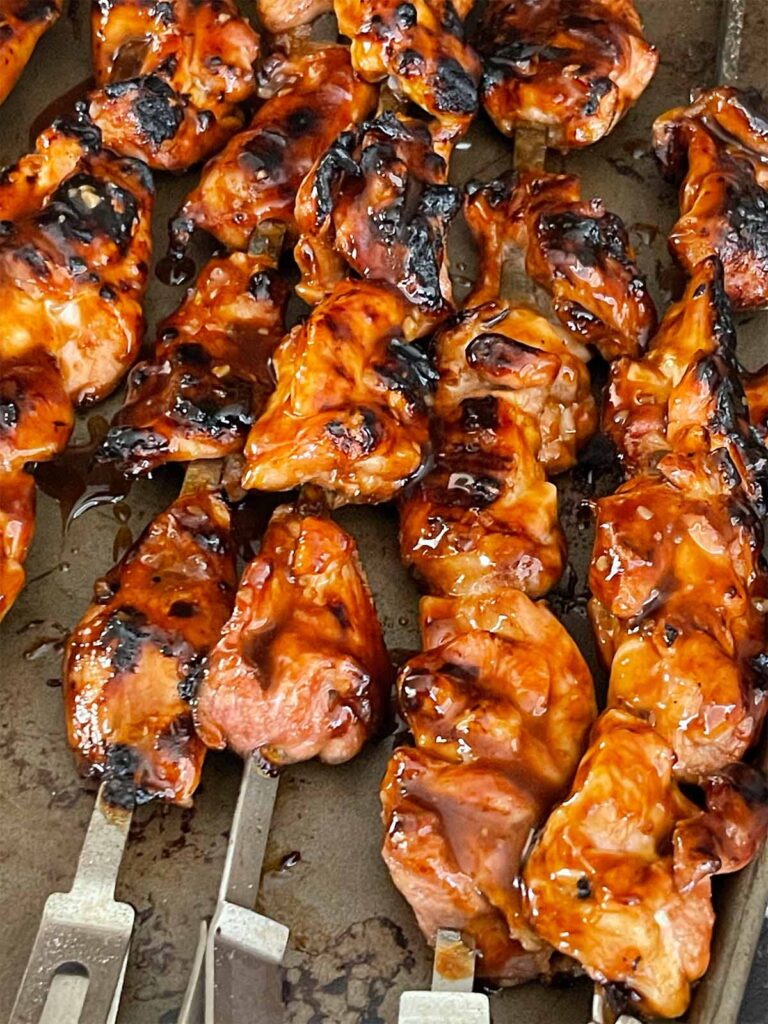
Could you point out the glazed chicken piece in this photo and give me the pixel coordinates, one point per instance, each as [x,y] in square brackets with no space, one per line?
[756,393]
[717,148]
[620,877]
[499,704]
[170,77]
[573,67]
[133,663]
[513,403]
[301,669]
[209,377]
[291,18]
[74,254]
[419,46]
[577,252]
[311,98]
[22,23]
[348,412]
[378,202]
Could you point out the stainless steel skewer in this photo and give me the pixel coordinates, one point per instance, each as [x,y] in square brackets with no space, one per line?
[451,999]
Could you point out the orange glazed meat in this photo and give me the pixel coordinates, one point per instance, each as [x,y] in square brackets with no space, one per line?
[17,525]
[22,23]
[499,705]
[311,98]
[419,47]
[133,663]
[171,74]
[209,375]
[301,670]
[574,67]
[619,878]
[717,148]
[378,202]
[348,412]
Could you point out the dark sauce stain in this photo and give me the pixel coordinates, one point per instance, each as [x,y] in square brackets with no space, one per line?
[61,106]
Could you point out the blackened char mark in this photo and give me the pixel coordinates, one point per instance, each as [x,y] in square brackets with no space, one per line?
[119,776]
[9,415]
[33,10]
[498,354]
[468,490]
[514,59]
[158,109]
[409,371]
[598,88]
[265,152]
[334,166]
[747,213]
[358,436]
[133,449]
[587,239]
[455,89]
[228,417]
[480,413]
[84,208]
[126,632]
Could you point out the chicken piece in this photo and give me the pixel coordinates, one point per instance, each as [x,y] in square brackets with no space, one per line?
[574,67]
[685,395]
[133,663]
[170,77]
[22,23]
[717,148]
[209,377]
[679,610]
[419,46]
[74,252]
[348,412]
[301,669]
[620,876]
[291,17]
[513,403]
[36,414]
[378,202]
[576,251]
[17,527]
[756,394]
[499,704]
[312,98]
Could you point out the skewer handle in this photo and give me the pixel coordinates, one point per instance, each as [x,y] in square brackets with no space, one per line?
[729,46]
[248,838]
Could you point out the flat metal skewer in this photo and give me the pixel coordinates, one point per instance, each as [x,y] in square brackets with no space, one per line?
[451,1000]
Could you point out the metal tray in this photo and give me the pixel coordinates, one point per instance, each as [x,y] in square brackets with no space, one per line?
[354,943]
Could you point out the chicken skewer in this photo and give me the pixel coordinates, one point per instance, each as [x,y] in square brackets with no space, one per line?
[22,23]
[76,237]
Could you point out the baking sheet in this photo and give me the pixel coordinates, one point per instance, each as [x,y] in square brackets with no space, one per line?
[354,945]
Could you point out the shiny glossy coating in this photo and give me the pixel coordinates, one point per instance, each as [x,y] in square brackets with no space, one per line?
[22,23]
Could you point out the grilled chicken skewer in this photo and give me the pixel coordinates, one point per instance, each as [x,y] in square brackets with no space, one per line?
[22,23]
[170,77]
[74,255]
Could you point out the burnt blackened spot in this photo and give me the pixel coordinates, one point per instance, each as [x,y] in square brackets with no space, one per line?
[260,286]
[700,290]
[463,673]
[358,436]
[760,667]
[405,15]
[183,609]
[127,631]
[34,259]
[302,121]
[107,293]
[339,611]
[451,22]
[83,208]
[499,354]
[408,370]
[264,153]
[670,634]
[470,490]
[158,109]
[598,88]
[189,684]
[337,163]
[583,888]
[480,413]
[210,417]
[590,240]
[34,10]
[9,415]
[120,769]
[516,59]
[455,90]
[80,127]
[410,62]
[130,445]
[163,12]
[748,217]
[189,353]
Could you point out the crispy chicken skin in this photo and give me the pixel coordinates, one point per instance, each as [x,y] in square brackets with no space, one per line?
[419,46]
[132,664]
[499,704]
[717,148]
[574,67]
[74,254]
[378,202]
[290,16]
[577,252]
[512,404]
[209,376]
[171,74]
[301,669]
[348,412]
[620,876]
[311,98]
[22,23]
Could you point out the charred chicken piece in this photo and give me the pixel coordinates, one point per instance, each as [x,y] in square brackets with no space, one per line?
[419,45]
[576,251]
[348,412]
[171,74]
[574,67]
[209,377]
[499,704]
[378,202]
[620,877]
[718,149]
[513,403]
[301,670]
[685,395]
[22,23]
[133,663]
[17,526]
[311,98]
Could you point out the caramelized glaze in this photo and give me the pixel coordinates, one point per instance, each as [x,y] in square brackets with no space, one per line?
[22,23]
